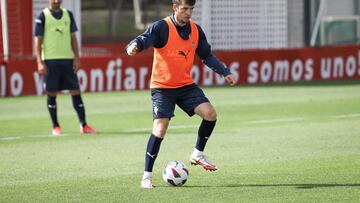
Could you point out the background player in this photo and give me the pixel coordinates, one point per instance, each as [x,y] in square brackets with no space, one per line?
[57,56]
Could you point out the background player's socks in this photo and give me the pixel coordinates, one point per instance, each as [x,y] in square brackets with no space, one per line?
[205,130]
[152,149]
[51,104]
[80,109]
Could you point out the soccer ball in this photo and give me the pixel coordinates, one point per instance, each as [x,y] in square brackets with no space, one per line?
[175,173]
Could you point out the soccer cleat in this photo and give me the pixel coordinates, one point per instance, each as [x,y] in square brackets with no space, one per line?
[56,131]
[147,183]
[87,130]
[203,161]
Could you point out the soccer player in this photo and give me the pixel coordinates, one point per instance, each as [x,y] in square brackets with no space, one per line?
[176,40]
[57,56]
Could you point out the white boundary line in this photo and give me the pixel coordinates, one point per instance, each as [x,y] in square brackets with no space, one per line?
[354,115]
[10,138]
[275,120]
[149,129]
[34,136]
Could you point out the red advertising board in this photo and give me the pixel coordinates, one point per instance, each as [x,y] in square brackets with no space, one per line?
[308,64]
[124,73]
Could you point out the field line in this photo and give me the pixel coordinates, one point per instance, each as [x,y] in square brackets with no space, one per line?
[274,120]
[11,138]
[150,128]
[34,136]
[354,115]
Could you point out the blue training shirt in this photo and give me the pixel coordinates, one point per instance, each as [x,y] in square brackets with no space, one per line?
[157,36]
[40,22]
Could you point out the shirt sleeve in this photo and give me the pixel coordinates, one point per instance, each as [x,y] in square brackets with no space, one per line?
[204,52]
[216,65]
[39,25]
[204,49]
[73,26]
[156,35]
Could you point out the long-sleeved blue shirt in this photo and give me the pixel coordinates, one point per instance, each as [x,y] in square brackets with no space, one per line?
[157,36]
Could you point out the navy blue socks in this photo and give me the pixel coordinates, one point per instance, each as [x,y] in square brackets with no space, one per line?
[51,105]
[205,130]
[79,108]
[152,150]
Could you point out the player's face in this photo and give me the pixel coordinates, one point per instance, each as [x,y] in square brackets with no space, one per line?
[55,4]
[183,13]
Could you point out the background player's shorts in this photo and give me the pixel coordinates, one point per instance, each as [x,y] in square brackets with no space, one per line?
[187,98]
[61,75]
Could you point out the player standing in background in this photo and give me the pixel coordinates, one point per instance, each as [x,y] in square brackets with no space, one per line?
[57,57]
[176,40]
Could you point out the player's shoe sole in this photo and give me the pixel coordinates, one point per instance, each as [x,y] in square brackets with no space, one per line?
[206,166]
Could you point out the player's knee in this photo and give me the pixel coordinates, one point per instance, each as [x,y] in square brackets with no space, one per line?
[52,94]
[75,92]
[159,130]
[159,127]
[210,115]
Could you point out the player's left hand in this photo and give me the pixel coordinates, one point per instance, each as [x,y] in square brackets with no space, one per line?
[230,79]
[76,64]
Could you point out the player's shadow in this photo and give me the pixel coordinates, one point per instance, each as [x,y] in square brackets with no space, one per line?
[298,186]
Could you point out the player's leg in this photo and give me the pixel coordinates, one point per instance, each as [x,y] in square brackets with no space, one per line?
[51,86]
[208,113]
[51,104]
[163,109]
[152,149]
[79,107]
[193,102]
[71,82]
[153,146]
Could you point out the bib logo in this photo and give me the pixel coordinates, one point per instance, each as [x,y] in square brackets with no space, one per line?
[59,31]
[182,53]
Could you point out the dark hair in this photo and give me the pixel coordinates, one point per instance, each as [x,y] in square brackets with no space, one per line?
[188,2]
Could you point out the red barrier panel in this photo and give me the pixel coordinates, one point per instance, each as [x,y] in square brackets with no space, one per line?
[20,27]
[124,73]
[20,78]
[309,64]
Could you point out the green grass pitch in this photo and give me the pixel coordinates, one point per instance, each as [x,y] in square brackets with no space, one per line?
[295,143]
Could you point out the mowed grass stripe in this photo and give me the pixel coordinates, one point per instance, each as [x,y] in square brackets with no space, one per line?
[250,122]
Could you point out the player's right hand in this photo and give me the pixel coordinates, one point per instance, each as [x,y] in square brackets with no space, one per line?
[132,49]
[42,68]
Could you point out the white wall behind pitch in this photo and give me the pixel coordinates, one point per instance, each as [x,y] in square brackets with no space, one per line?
[339,8]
